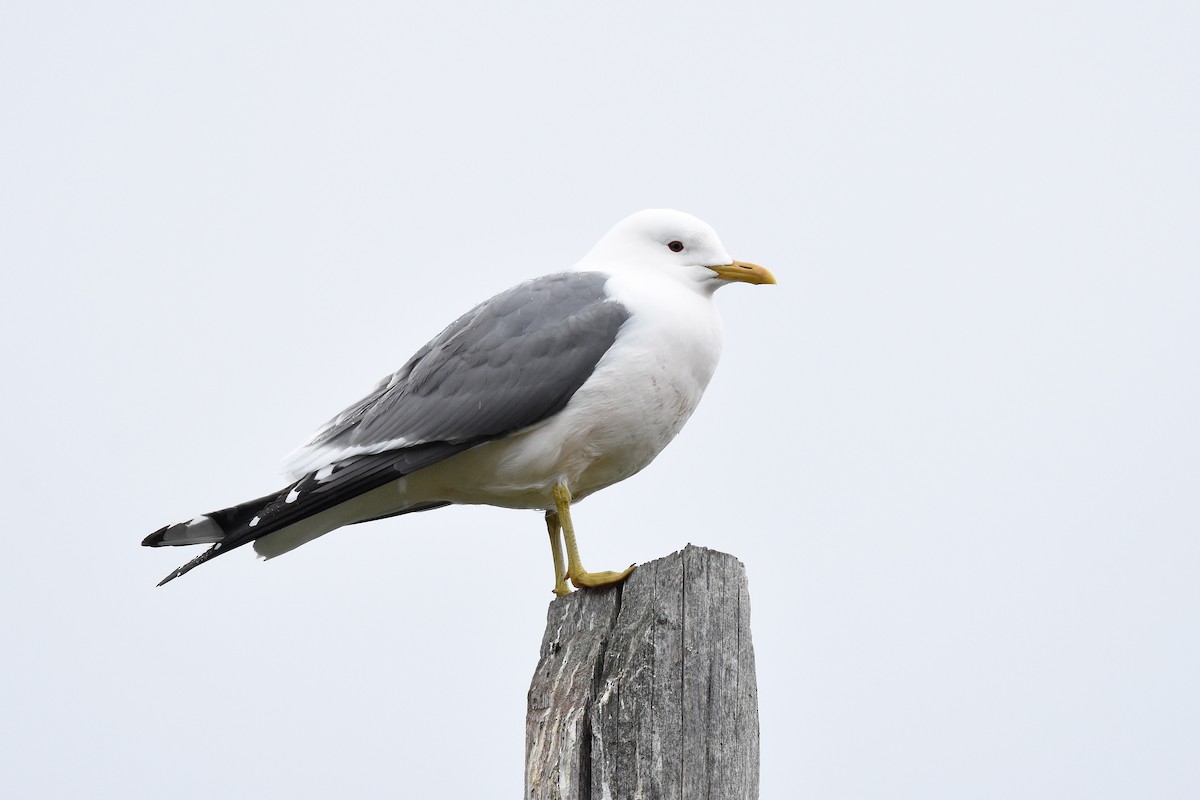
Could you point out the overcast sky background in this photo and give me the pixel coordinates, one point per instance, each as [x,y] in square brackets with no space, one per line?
[956,448]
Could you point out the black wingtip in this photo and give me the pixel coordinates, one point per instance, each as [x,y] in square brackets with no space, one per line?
[191,565]
[156,539]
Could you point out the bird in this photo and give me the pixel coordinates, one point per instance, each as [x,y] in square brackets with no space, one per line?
[534,399]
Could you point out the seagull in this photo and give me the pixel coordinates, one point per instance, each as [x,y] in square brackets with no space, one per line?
[534,399]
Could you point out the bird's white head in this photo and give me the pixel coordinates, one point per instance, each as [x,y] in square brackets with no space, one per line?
[675,244]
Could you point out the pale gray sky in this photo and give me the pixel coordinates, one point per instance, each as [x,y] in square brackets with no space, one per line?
[956,447]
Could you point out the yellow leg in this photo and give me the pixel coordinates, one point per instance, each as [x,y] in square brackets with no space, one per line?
[560,574]
[580,577]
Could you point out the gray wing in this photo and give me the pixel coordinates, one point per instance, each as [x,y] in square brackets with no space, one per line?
[510,362]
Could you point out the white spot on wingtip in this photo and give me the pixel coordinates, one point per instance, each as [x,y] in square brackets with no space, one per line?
[253,522]
[292,495]
[324,472]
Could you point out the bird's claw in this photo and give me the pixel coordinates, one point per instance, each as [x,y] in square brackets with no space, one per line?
[594,580]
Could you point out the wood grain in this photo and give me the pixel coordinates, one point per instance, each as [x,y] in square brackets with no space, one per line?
[647,690]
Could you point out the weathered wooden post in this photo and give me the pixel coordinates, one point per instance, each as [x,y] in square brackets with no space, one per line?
[647,690]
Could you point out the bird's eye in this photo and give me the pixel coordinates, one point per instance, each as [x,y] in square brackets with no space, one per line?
[676,245]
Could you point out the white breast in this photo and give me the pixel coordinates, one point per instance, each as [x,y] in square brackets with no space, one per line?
[647,386]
